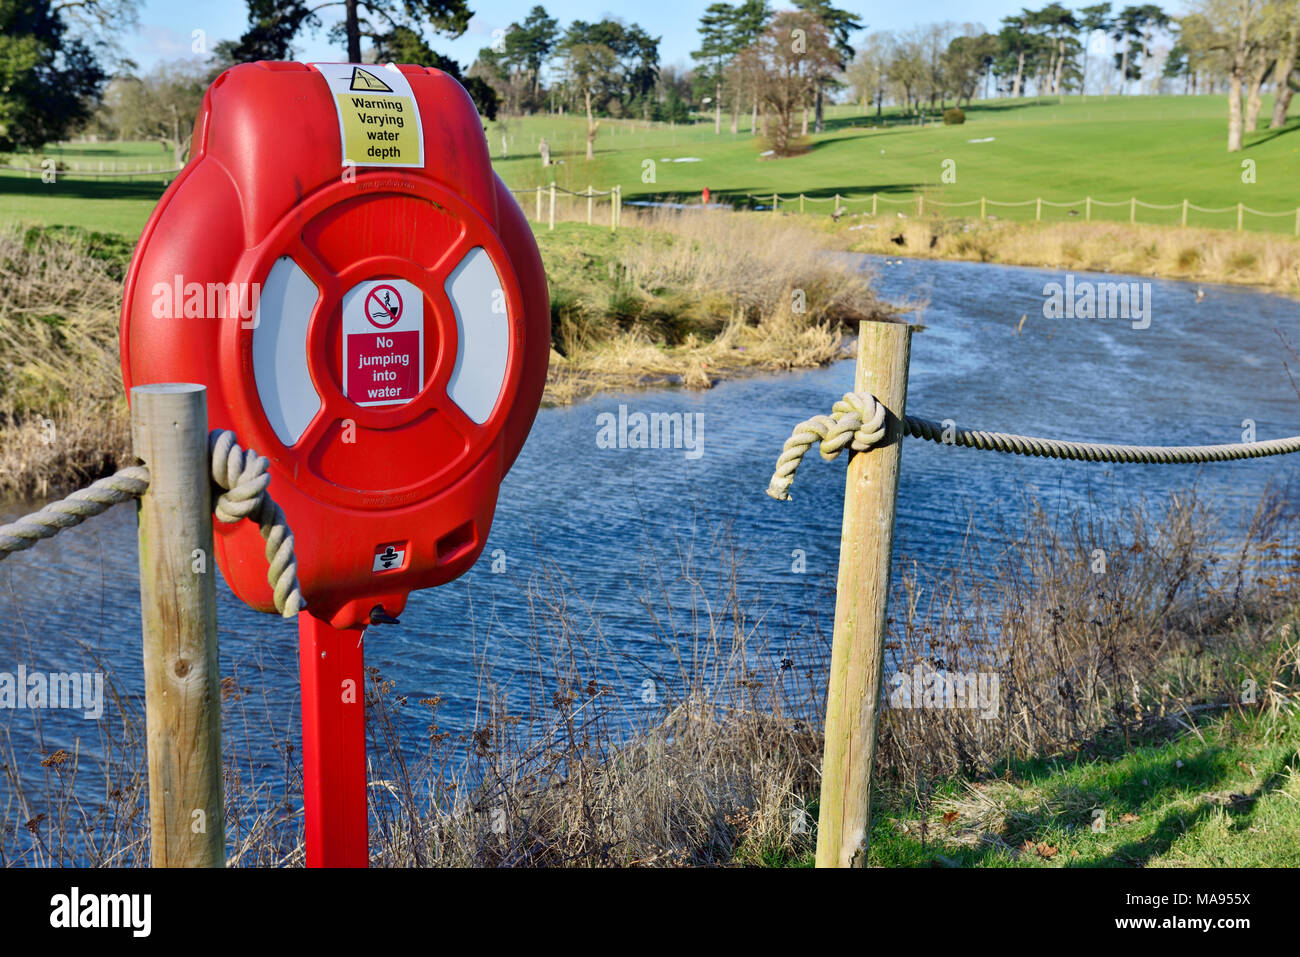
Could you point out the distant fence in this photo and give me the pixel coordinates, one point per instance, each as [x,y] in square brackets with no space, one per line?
[552,191]
[80,169]
[841,205]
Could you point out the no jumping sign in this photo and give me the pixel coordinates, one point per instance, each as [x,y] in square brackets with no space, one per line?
[383,342]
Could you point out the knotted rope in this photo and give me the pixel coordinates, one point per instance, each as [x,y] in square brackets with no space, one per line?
[241,473]
[857,420]
[847,417]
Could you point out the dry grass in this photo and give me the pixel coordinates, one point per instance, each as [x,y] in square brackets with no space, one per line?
[691,299]
[62,416]
[1197,255]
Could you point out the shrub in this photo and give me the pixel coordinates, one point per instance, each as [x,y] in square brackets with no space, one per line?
[953,117]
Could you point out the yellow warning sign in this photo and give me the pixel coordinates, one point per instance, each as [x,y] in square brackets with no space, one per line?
[379,130]
[363,81]
[379,120]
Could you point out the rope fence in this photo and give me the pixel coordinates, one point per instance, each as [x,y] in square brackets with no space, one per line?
[240,473]
[857,422]
[74,170]
[842,204]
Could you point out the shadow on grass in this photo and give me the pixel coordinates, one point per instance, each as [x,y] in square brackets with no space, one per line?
[68,185]
[1185,797]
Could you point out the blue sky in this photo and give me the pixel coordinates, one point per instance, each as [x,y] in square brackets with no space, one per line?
[166,26]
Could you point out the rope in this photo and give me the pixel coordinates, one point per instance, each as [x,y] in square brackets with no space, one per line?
[857,420]
[849,413]
[122,486]
[243,476]
[242,473]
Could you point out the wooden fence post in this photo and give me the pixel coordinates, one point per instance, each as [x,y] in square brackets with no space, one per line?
[982,207]
[861,605]
[1184,212]
[551,223]
[178,610]
[1087,209]
[589,202]
[801,202]
[1038,210]
[920,205]
[539,204]
[1132,210]
[775,200]
[874,197]
[1241,207]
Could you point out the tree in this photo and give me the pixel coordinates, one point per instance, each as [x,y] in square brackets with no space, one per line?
[48,80]
[1092,20]
[531,43]
[272,25]
[751,20]
[162,105]
[1058,26]
[1237,29]
[404,45]
[1133,27]
[840,24]
[869,70]
[590,68]
[717,32]
[786,62]
[1018,45]
[966,60]
[1286,62]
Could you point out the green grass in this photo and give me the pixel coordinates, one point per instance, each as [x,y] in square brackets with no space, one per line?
[1160,149]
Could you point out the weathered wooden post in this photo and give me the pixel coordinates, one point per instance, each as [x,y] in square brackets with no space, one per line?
[1087,209]
[920,205]
[775,200]
[983,205]
[589,203]
[1132,210]
[1241,207]
[178,611]
[539,204]
[874,197]
[801,203]
[1184,212]
[1038,210]
[862,598]
[551,221]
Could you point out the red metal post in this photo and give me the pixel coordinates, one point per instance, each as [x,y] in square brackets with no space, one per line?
[333,744]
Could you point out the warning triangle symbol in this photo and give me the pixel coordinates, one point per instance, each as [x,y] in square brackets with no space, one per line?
[365,81]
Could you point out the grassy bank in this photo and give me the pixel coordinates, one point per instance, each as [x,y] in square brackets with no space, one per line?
[1195,255]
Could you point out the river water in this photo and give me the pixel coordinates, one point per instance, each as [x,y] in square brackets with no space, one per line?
[626,551]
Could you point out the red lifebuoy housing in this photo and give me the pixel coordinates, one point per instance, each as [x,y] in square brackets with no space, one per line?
[364,300]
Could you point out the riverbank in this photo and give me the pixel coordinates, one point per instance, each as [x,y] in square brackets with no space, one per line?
[1265,261]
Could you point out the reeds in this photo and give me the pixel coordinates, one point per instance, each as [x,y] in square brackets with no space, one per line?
[708,751]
